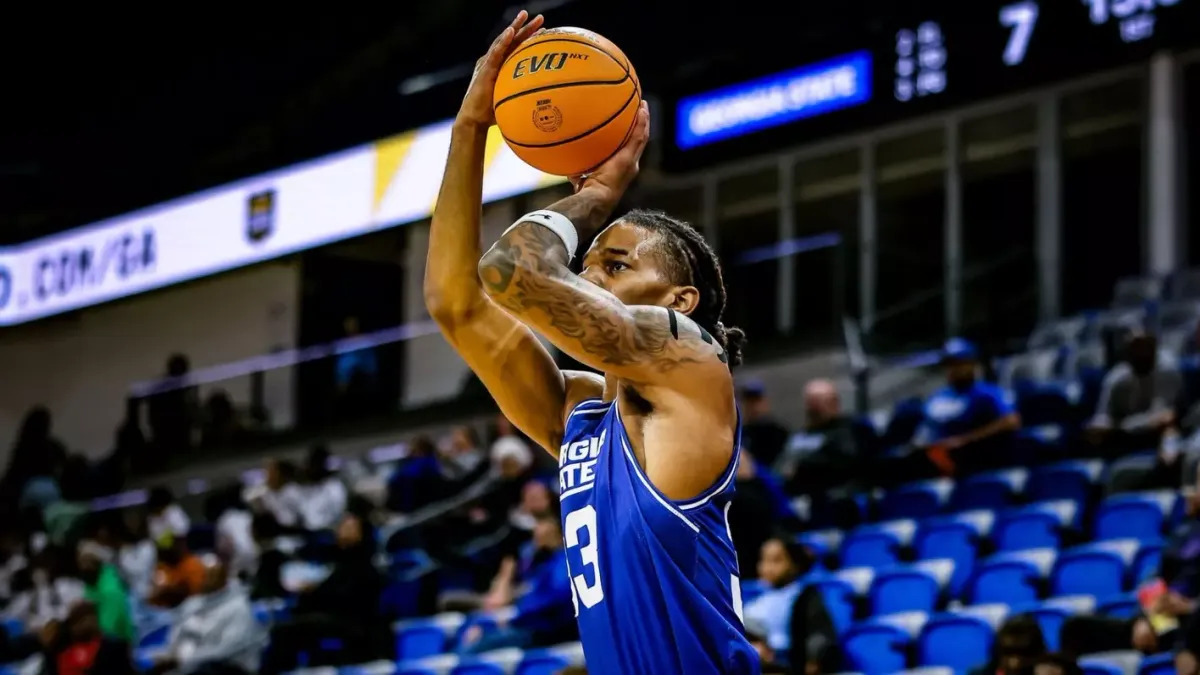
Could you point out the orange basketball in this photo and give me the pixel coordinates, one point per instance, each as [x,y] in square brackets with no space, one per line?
[566,100]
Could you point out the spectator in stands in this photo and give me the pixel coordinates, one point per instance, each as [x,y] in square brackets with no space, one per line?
[510,454]
[233,530]
[14,556]
[357,373]
[137,555]
[760,506]
[267,579]
[756,633]
[1056,664]
[1140,404]
[544,612]
[172,415]
[825,462]
[345,606]
[781,565]
[463,460]
[216,632]
[179,575]
[322,494]
[1019,644]
[81,646]
[105,591]
[417,480]
[1089,634]
[166,520]
[36,454]
[279,495]
[762,435]
[968,425]
[43,594]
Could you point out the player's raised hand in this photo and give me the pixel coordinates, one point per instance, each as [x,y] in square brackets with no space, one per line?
[614,176]
[477,104]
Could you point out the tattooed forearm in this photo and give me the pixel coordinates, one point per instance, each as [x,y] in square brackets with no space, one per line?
[526,273]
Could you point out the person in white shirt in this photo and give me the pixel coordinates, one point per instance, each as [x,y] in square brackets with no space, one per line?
[167,520]
[510,455]
[323,494]
[46,594]
[278,495]
[216,631]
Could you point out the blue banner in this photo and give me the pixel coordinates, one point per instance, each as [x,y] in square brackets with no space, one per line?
[808,91]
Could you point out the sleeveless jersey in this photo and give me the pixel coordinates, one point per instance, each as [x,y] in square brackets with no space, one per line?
[655,582]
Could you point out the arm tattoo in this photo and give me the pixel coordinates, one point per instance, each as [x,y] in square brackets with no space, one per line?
[526,271]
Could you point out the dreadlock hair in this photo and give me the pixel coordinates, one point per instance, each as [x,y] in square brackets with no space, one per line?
[690,260]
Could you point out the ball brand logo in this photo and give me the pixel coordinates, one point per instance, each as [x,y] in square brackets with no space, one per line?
[547,117]
[535,64]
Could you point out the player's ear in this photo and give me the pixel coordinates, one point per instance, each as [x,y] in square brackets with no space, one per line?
[684,299]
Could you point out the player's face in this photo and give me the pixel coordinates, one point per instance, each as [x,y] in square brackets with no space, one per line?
[624,261]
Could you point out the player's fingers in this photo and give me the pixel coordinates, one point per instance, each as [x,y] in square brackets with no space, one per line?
[528,30]
[499,50]
[519,20]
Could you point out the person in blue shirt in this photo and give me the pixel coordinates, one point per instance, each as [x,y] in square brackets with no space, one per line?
[968,424]
[543,614]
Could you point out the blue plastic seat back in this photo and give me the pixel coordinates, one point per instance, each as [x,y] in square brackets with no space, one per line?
[542,664]
[875,650]
[870,548]
[1096,573]
[418,641]
[958,642]
[952,541]
[910,501]
[1129,517]
[1158,664]
[1011,582]
[477,668]
[1050,620]
[1026,529]
[904,591]
[1124,606]
[1059,481]
[981,492]
[1147,563]
[839,600]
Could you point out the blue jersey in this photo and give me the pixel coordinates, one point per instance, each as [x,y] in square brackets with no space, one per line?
[655,582]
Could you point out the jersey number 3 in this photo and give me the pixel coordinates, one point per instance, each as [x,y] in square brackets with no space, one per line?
[584,520]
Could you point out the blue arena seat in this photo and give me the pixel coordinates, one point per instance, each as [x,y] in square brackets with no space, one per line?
[1158,664]
[960,640]
[956,537]
[1052,613]
[877,545]
[1146,563]
[477,668]
[1072,481]
[916,500]
[541,664]
[1137,515]
[1120,662]
[1013,578]
[880,645]
[1099,569]
[1123,606]
[418,640]
[995,490]
[1034,526]
[911,588]
[840,589]
[821,542]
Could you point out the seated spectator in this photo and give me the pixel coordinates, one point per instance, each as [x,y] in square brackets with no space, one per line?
[462,459]
[179,575]
[104,590]
[968,425]
[417,480]
[322,494]
[344,606]
[216,632]
[232,528]
[781,565]
[760,506]
[825,462]
[1141,400]
[137,556]
[267,579]
[43,594]
[1089,634]
[166,520]
[81,646]
[14,557]
[278,495]
[544,609]
[1019,644]
[762,435]
[756,633]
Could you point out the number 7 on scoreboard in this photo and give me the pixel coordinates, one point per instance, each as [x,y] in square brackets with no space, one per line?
[1020,17]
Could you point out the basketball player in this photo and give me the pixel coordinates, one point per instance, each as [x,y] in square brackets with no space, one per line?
[646,451]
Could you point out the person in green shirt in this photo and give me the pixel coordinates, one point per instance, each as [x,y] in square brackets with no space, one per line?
[107,592]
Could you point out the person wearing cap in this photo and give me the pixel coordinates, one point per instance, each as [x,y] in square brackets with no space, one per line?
[968,424]
[762,434]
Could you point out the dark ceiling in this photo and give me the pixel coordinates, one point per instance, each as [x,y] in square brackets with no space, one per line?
[107,114]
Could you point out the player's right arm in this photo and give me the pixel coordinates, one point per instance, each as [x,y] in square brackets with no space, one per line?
[512,363]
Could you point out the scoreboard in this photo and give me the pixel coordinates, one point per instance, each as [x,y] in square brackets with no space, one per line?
[936,55]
